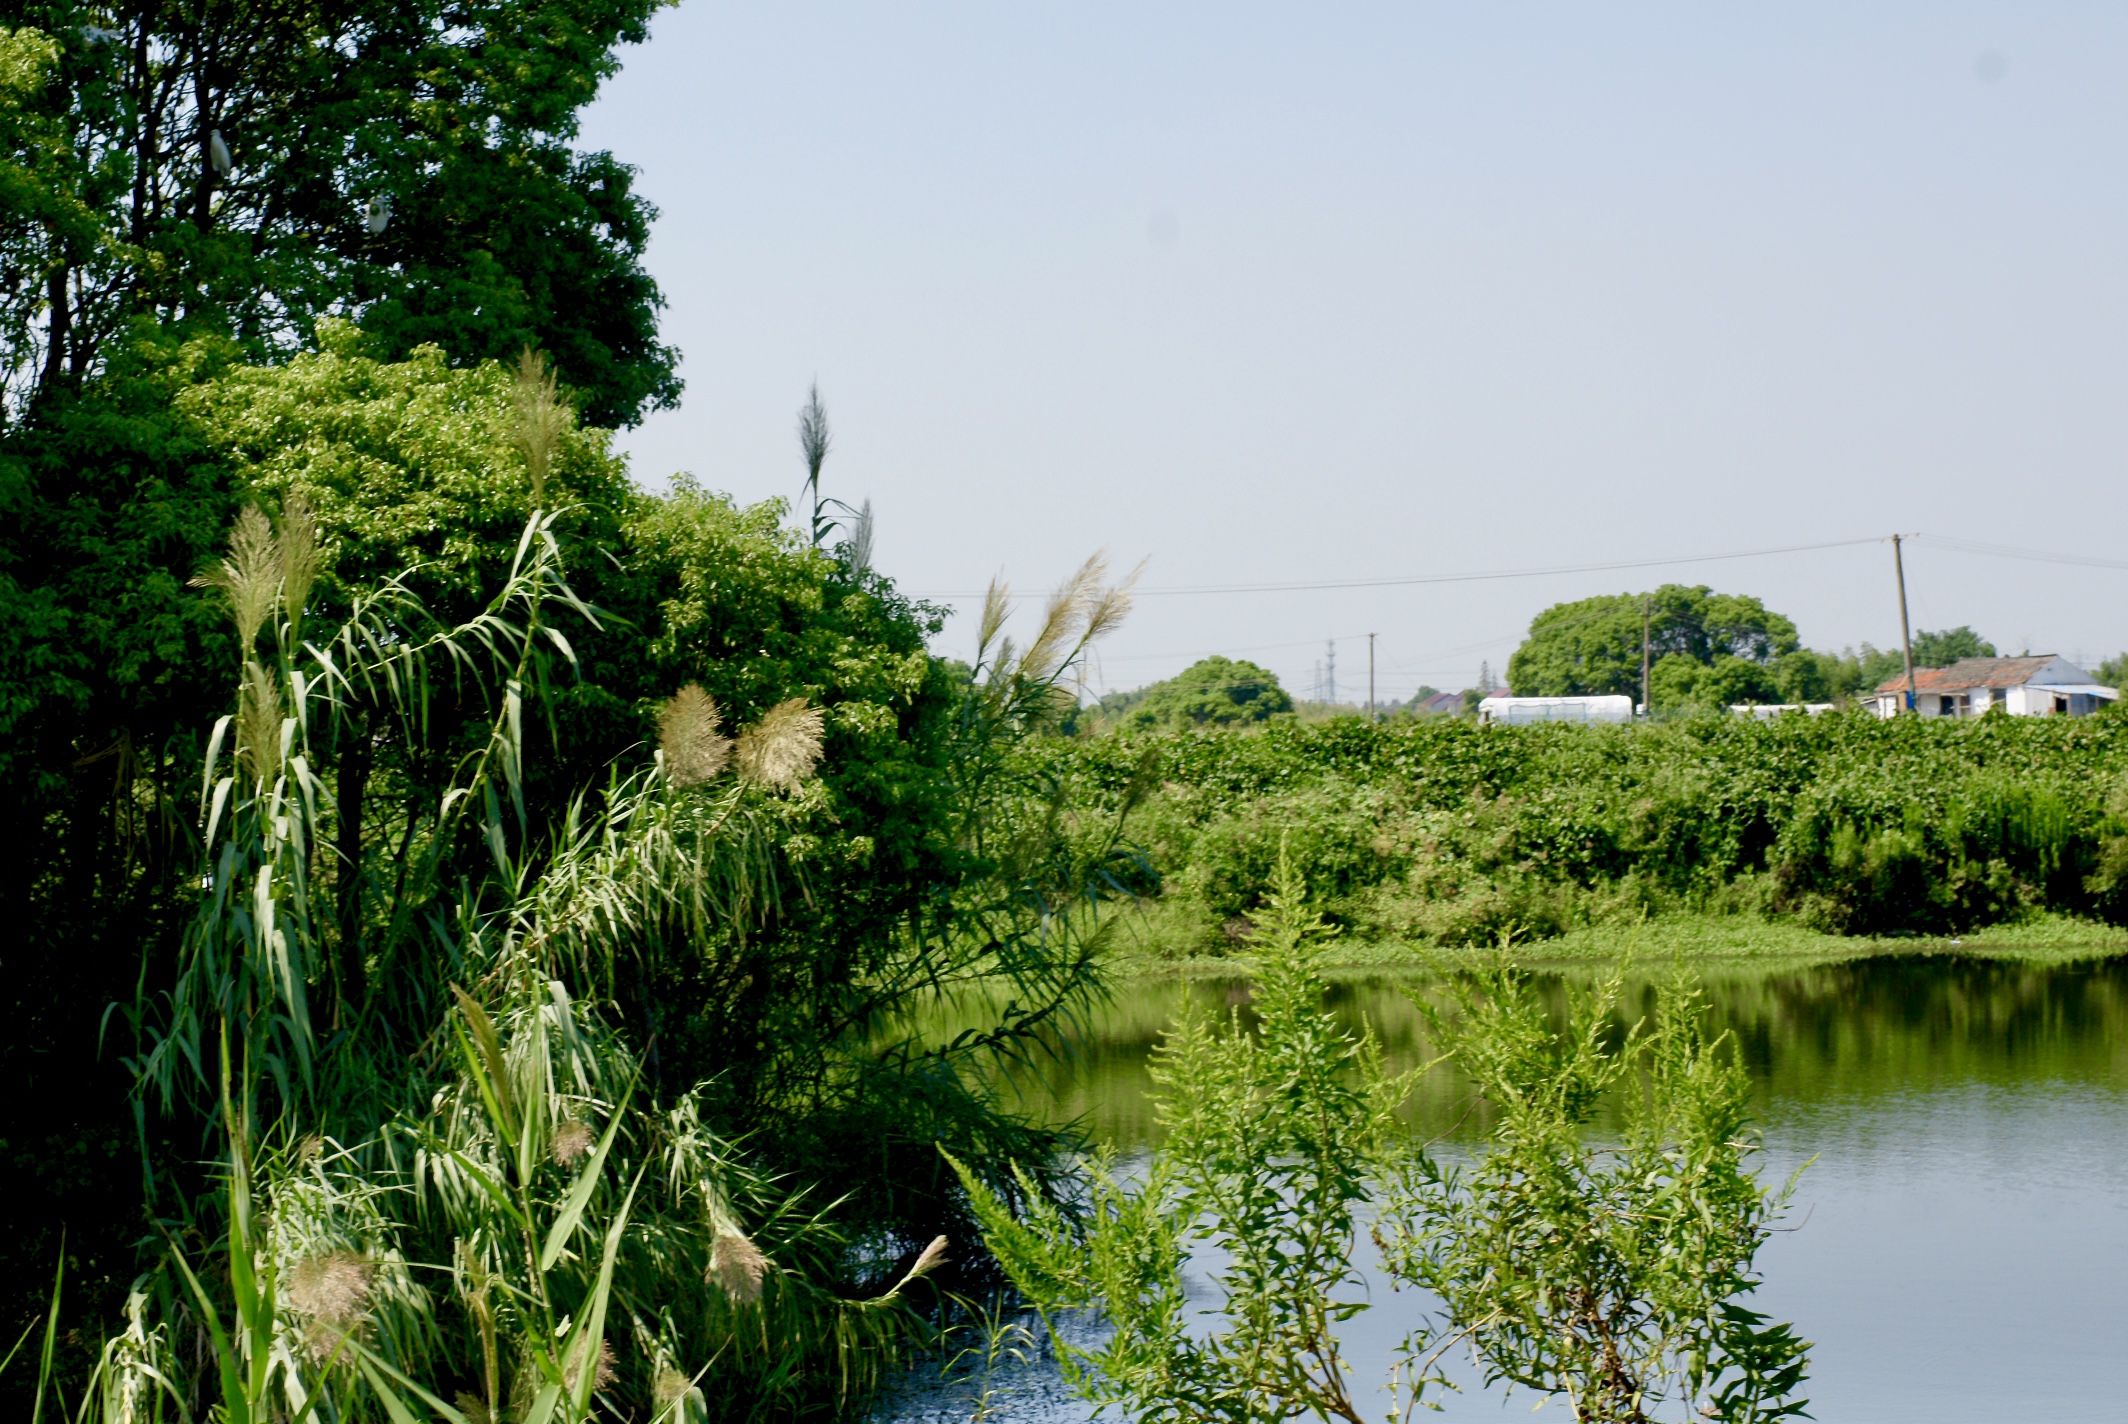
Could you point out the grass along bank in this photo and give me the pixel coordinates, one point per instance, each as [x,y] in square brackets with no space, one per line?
[1136,949]
[1807,838]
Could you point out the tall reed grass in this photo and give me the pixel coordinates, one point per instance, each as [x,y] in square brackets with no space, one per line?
[425,1178]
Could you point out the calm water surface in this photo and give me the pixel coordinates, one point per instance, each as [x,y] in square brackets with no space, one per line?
[1960,1244]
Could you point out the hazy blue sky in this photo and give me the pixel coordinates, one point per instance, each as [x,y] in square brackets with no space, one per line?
[1310,292]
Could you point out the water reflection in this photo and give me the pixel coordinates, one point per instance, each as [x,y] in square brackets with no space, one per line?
[1961,1250]
[1862,1029]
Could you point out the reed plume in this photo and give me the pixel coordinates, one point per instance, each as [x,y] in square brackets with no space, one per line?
[258,723]
[997,604]
[932,1257]
[736,1265]
[781,749]
[543,418]
[814,441]
[297,547]
[860,551]
[333,1290]
[604,1371]
[668,1389]
[688,733]
[1062,619]
[572,1140]
[250,577]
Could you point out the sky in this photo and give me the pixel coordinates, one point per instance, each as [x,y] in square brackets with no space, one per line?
[1289,295]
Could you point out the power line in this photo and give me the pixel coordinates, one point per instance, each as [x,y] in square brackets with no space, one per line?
[1409,580]
[2005,551]
[1221,652]
[1969,546]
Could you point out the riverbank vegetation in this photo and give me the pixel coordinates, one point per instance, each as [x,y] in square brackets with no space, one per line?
[501,984]
[1786,835]
[471,907]
[1614,1277]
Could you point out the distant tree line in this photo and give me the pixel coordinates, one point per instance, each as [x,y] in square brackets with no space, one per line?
[1705,649]
[1212,692]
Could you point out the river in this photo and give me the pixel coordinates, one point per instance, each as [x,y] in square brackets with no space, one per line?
[1959,1244]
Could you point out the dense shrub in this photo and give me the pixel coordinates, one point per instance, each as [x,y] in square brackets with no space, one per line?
[1451,832]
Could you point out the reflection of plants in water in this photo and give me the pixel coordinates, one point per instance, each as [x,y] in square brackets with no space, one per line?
[999,1342]
[1614,1277]
[1838,1033]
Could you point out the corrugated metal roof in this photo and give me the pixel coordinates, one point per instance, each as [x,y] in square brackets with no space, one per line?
[1972,672]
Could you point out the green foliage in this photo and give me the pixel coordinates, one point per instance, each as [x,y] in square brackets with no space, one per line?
[1273,1145]
[111,673]
[1941,649]
[1593,646]
[1874,668]
[1439,831]
[2113,672]
[1805,676]
[416,1131]
[40,209]
[1611,1275]
[468,752]
[1678,683]
[1213,692]
[214,171]
[412,468]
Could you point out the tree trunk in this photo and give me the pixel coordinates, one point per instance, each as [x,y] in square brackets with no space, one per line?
[60,326]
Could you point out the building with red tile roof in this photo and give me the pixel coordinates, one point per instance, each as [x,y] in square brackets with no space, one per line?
[2038,685]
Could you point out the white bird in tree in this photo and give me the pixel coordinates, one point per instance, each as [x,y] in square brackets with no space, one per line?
[218,153]
[377,214]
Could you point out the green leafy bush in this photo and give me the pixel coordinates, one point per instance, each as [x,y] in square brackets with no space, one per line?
[1614,1276]
[1446,832]
[1212,692]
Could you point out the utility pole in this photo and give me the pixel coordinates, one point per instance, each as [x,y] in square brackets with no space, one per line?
[1370,677]
[1330,675]
[1906,637]
[1647,615]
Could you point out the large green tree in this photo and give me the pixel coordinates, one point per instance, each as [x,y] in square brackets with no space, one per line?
[1946,646]
[423,473]
[1594,646]
[1212,692]
[247,168]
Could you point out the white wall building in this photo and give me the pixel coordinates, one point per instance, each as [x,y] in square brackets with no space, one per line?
[1767,711]
[2039,686]
[1512,711]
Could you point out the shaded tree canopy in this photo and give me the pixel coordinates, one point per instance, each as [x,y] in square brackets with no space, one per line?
[112,670]
[245,169]
[1679,682]
[1941,649]
[1592,647]
[1213,692]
